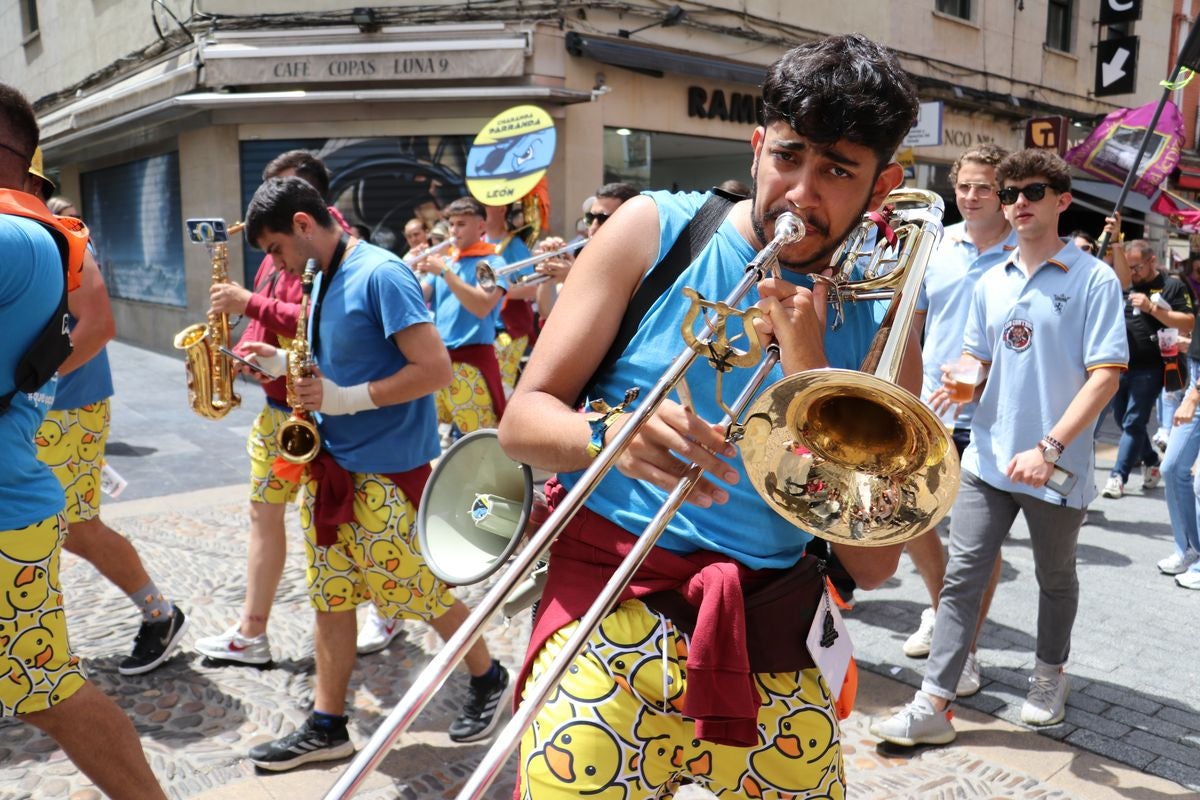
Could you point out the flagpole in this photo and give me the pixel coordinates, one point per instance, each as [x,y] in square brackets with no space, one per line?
[1188,56]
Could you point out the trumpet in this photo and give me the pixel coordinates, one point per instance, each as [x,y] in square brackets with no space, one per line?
[298,439]
[486,277]
[440,247]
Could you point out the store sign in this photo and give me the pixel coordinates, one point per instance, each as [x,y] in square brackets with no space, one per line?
[1047,133]
[962,138]
[739,107]
[927,132]
[1116,12]
[339,68]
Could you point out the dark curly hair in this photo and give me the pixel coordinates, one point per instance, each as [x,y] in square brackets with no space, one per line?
[1035,163]
[304,164]
[842,87]
[277,200]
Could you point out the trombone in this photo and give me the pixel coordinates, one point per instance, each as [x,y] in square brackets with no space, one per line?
[486,277]
[880,500]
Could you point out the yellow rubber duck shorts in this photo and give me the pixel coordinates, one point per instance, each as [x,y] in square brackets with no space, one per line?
[466,401]
[265,485]
[376,558]
[509,352]
[71,443]
[614,729]
[37,668]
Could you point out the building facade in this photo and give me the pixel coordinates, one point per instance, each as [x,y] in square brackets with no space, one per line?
[154,116]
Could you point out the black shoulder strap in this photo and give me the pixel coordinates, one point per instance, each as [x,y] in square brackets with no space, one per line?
[684,251]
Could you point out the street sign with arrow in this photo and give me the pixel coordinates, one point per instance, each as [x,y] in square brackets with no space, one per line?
[1116,66]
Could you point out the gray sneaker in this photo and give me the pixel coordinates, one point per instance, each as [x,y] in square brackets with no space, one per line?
[916,723]
[232,646]
[1046,703]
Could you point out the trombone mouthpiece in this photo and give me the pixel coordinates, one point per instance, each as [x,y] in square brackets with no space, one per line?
[788,228]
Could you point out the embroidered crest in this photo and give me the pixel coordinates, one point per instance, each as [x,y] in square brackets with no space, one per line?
[1060,301]
[1018,334]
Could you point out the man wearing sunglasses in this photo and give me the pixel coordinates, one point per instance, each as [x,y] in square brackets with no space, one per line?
[1046,325]
[969,249]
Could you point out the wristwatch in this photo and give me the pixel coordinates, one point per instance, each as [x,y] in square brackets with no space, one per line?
[1049,451]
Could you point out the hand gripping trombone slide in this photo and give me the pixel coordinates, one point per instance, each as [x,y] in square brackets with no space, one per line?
[788,229]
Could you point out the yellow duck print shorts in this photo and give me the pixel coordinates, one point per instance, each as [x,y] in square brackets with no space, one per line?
[376,558]
[71,443]
[466,401]
[37,667]
[265,485]
[508,355]
[614,729]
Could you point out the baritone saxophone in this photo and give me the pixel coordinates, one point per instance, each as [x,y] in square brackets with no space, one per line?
[298,438]
[210,374]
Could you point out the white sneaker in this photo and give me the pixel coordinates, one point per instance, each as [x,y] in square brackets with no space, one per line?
[1046,703]
[1159,440]
[376,632]
[232,646]
[970,681]
[1151,477]
[1174,564]
[1114,488]
[917,645]
[916,723]
[1189,579]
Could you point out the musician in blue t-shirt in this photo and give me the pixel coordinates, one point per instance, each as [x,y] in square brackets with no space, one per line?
[379,360]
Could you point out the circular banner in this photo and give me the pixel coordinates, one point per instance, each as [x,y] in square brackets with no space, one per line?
[510,155]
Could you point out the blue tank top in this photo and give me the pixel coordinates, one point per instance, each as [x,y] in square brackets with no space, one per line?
[745,528]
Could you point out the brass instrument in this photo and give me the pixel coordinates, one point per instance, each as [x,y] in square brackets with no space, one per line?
[298,438]
[486,277]
[432,251]
[886,464]
[210,373]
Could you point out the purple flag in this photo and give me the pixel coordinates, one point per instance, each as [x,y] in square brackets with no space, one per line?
[1109,152]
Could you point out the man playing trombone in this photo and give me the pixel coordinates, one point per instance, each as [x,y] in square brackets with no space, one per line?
[655,700]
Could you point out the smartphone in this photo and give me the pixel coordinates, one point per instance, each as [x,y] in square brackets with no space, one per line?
[207,231]
[225,351]
[1061,481]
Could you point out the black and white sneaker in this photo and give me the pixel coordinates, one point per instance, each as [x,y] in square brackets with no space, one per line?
[301,746]
[479,714]
[154,643]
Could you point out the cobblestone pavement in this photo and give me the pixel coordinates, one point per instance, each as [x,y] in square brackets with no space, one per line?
[1136,691]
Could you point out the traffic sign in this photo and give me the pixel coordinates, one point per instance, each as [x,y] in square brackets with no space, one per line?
[1116,66]
[1047,133]
[1114,12]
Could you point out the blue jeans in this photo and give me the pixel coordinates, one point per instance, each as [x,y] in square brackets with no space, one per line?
[1132,405]
[1182,491]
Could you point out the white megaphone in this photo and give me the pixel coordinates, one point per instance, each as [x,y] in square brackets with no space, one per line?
[474,509]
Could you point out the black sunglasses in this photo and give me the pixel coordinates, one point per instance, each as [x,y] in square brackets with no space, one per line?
[599,219]
[1033,192]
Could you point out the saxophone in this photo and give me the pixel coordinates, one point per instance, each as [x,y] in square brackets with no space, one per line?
[298,439]
[210,374]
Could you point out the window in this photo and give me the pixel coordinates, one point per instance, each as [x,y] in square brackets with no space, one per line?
[1058,25]
[29,20]
[955,8]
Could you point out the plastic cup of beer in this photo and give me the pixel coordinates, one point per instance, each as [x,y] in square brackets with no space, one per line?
[965,374]
[1168,342]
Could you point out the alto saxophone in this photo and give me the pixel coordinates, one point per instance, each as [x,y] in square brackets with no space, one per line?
[210,374]
[298,438]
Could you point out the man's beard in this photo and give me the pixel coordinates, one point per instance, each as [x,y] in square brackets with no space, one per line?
[818,261]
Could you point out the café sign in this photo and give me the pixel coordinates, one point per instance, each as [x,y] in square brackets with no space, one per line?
[232,65]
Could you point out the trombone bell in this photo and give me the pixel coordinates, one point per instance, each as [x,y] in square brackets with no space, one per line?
[850,457]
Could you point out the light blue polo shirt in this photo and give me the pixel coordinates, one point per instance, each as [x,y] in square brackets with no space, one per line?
[1042,336]
[457,326]
[372,296]
[945,299]
[745,528]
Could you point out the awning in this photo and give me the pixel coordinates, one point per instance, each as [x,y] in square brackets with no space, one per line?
[1102,197]
[658,60]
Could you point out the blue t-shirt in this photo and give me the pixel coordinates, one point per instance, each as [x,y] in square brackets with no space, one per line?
[945,296]
[457,326]
[1042,335]
[85,385]
[745,528]
[31,282]
[372,296]
[516,250]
